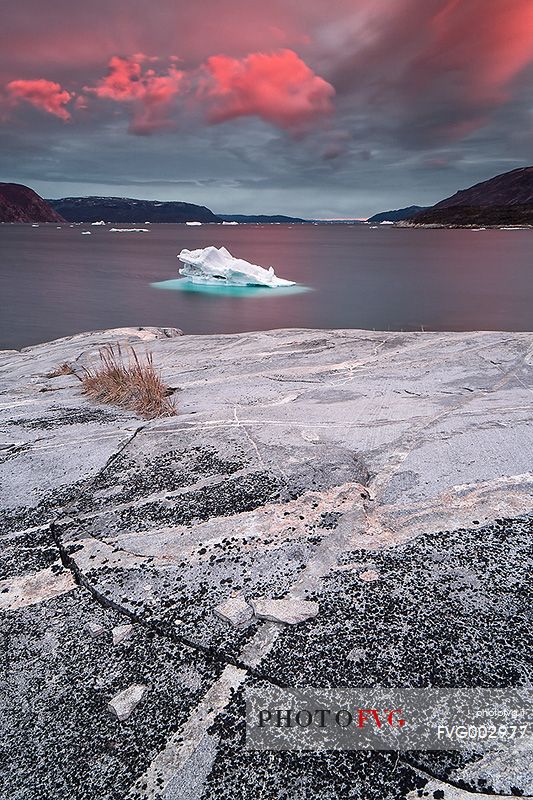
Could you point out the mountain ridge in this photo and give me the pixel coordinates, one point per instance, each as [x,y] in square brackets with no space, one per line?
[129,209]
[397,215]
[261,218]
[505,199]
[19,203]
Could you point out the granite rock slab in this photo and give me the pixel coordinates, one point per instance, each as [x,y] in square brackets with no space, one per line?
[384,479]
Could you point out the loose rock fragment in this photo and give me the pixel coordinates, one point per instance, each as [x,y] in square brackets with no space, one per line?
[121,632]
[288,610]
[126,701]
[95,629]
[356,655]
[369,575]
[235,610]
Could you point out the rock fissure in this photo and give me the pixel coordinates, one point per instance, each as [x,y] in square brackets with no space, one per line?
[211,653]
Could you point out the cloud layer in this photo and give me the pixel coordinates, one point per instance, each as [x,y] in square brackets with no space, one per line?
[279,88]
[337,95]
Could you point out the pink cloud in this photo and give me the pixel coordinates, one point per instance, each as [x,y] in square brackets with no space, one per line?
[150,94]
[280,88]
[43,94]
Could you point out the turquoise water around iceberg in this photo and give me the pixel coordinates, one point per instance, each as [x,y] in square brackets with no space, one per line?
[224,290]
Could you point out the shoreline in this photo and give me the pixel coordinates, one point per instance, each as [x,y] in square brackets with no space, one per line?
[148,333]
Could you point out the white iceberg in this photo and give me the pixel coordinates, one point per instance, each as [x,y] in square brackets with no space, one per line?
[128,230]
[101,222]
[216,266]
[193,223]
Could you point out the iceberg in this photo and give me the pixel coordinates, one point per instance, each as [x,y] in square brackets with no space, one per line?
[101,222]
[216,266]
[128,230]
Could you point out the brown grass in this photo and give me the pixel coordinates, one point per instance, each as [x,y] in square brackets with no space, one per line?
[63,369]
[124,379]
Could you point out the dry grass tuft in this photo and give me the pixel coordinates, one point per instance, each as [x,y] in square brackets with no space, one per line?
[63,369]
[124,379]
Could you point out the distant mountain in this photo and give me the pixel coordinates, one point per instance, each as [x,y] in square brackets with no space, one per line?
[398,215]
[126,209]
[506,199]
[261,218]
[19,203]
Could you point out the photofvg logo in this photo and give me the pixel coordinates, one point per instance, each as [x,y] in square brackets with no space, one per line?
[324,717]
[387,719]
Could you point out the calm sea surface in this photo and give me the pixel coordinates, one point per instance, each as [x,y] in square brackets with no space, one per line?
[56,282]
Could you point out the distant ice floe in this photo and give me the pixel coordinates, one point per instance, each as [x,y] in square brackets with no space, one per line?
[230,223]
[193,223]
[86,233]
[35,225]
[128,230]
[216,266]
[101,222]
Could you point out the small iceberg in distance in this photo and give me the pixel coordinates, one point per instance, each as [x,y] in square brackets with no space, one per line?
[128,230]
[217,267]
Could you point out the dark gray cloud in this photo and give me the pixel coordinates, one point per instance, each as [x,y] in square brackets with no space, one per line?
[430,96]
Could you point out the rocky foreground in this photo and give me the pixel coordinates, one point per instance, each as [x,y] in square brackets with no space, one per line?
[379,483]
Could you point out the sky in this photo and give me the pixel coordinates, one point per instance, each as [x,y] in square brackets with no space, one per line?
[317,108]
